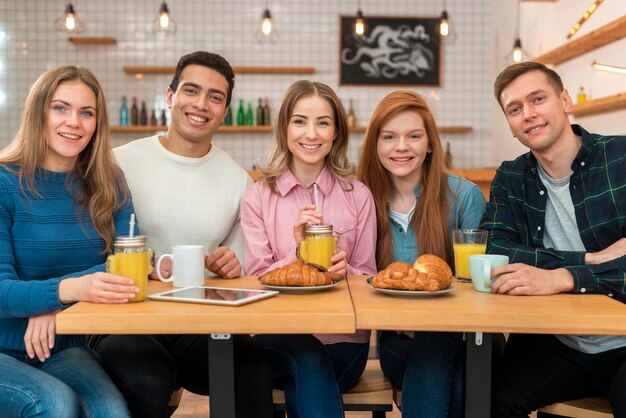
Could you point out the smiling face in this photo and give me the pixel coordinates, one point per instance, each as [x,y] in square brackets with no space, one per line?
[198,107]
[70,124]
[310,134]
[536,112]
[403,145]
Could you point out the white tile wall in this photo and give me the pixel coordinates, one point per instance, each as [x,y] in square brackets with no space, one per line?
[308,37]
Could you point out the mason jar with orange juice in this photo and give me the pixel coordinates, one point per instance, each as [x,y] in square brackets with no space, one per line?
[319,245]
[132,258]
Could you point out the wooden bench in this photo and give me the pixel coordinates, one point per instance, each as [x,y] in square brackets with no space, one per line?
[597,407]
[373,392]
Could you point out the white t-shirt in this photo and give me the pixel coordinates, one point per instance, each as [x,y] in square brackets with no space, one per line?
[182,200]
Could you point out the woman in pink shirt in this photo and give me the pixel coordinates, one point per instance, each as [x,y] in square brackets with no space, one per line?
[311,152]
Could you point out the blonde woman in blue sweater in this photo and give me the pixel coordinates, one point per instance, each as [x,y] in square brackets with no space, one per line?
[62,202]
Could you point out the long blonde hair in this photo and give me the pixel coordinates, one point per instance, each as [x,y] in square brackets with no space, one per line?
[104,189]
[280,157]
[430,219]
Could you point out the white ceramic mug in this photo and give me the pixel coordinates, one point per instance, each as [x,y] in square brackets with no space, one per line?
[187,266]
[480,269]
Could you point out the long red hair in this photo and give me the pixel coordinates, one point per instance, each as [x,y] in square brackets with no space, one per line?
[430,219]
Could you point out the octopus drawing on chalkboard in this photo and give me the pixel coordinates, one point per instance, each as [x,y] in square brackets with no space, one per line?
[404,54]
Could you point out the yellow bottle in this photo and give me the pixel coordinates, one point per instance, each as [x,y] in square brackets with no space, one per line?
[582,96]
[131,258]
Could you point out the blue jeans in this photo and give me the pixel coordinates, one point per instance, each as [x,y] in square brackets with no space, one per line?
[314,374]
[429,369]
[69,384]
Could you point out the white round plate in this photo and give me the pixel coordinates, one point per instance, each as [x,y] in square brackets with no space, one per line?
[301,289]
[410,293]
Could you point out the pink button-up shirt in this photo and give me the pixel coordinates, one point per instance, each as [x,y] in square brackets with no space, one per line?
[267,221]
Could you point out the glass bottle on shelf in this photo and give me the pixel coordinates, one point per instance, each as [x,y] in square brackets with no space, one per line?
[134,113]
[351,116]
[228,119]
[123,112]
[143,114]
[241,118]
[163,120]
[259,113]
[267,120]
[153,119]
[249,115]
[448,157]
[582,96]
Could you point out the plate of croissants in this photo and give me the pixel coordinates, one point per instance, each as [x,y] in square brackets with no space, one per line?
[429,276]
[298,277]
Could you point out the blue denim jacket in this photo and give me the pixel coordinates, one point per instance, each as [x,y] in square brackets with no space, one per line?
[467,205]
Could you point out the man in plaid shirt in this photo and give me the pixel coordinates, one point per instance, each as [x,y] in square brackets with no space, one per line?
[559,213]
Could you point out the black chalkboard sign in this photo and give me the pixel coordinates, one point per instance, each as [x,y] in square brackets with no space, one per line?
[402,51]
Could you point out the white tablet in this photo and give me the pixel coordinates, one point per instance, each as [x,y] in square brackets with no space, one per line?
[213,295]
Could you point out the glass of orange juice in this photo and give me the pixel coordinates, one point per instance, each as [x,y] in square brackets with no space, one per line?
[467,242]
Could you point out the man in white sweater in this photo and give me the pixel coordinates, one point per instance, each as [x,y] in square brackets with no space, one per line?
[187,191]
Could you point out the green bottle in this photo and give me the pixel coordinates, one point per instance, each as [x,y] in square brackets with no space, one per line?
[249,115]
[228,119]
[241,118]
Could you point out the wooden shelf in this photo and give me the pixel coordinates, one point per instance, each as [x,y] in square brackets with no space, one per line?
[238,70]
[160,128]
[602,36]
[91,40]
[601,105]
[442,129]
[248,129]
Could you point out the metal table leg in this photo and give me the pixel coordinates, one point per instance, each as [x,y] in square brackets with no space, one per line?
[478,375]
[221,376]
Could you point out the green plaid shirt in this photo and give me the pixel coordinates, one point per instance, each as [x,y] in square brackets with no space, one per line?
[515,216]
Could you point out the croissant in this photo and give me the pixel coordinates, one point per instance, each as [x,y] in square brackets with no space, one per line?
[436,268]
[295,274]
[429,273]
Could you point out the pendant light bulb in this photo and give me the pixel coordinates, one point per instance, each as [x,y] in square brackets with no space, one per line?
[444,28]
[266,25]
[517,51]
[164,22]
[69,21]
[359,24]
[266,29]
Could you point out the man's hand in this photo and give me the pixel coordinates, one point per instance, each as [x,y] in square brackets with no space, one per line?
[39,336]
[97,287]
[223,262]
[522,279]
[613,251]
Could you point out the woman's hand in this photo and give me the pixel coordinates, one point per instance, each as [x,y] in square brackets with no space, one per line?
[97,287]
[308,215]
[39,336]
[340,265]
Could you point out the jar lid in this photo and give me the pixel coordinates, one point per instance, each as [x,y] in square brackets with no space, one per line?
[125,241]
[318,229]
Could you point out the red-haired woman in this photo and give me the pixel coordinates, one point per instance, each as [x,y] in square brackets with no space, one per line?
[417,206]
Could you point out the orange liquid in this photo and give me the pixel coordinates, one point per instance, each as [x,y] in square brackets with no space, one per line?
[318,250]
[461,257]
[135,266]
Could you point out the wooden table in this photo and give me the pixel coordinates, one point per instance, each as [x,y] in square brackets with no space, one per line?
[330,311]
[481,314]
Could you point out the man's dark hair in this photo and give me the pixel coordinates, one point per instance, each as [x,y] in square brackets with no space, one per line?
[510,73]
[206,59]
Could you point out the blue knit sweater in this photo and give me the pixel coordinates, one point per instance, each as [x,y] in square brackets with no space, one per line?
[43,239]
